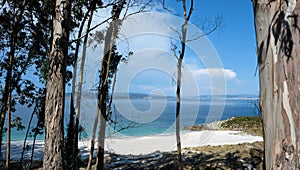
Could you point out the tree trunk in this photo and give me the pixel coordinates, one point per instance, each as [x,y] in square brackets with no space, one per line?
[7,97]
[8,130]
[78,101]
[32,149]
[184,27]
[102,94]
[278,45]
[55,94]
[3,113]
[8,85]
[26,136]
[73,114]
[101,139]
[178,98]
[109,43]
[2,116]
[96,120]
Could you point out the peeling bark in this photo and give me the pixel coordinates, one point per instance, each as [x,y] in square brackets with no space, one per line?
[55,93]
[278,42]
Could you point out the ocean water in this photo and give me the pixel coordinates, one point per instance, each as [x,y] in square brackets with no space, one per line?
[144,115]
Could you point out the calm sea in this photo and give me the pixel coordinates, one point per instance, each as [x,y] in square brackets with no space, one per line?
[144,115]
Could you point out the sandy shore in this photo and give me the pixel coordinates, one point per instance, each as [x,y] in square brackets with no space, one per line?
[146,144]
[149,144]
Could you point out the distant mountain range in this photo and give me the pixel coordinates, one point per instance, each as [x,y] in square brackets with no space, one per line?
[93,95]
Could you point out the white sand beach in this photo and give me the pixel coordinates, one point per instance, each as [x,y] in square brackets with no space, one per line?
[146,144]
[164,143]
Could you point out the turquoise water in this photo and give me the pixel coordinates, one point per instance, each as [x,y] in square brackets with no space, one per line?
[150,116]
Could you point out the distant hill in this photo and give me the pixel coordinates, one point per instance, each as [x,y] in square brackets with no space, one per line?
[93,95]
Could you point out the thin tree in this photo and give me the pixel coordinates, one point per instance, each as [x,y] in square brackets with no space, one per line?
[6,98]
[78,100]
[71,136]
[179,55]
[110,61]
[75,116]
[183,38]
[278,43]
[55,93]
[26,135]
[38,110]
[109,42]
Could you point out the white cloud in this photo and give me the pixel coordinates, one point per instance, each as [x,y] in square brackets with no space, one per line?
[153,65]
[215,72]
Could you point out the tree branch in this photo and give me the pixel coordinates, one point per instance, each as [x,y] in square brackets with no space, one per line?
[167,9]
[191,10]
[94,27]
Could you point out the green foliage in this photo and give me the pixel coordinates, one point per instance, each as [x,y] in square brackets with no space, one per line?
[250,125]
[96,38]
[17,122]
[40,111]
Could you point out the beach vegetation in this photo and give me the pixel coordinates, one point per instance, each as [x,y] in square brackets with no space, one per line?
[249,125]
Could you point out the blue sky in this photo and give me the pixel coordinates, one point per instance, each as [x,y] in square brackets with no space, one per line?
[225,58]
[236,44]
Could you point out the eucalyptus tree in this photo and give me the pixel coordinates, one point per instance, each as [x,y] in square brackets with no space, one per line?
[27,26]
[12,29]
[23,46]
[278,44]
[109,54]
[81,12]
[55,93]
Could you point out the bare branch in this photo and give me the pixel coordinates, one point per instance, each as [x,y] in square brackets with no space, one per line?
[167,9]
[174,48]
[125,39]
[141,9]
[122,128]
[105,6]
[126,10]
[191,10]
[184,9]
[96,26]
[173,29]
[207,31]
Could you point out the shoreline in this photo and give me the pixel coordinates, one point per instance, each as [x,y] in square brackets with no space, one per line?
[145,144]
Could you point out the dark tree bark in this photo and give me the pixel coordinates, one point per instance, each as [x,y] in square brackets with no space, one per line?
[55,93]
[73,116]
[96,120]
[8,127]
[278,44]
[26,136]
[6,97]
